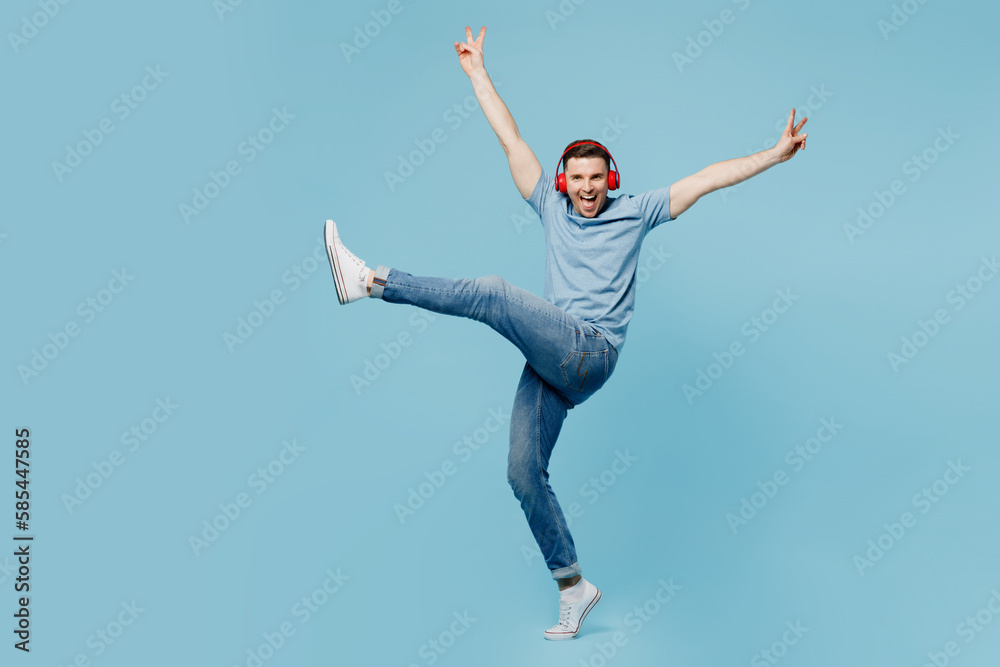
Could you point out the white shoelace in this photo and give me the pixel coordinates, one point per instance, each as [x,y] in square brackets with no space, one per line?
[564,611]
[362,269]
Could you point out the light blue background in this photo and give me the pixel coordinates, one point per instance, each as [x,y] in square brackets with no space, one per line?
[458,215]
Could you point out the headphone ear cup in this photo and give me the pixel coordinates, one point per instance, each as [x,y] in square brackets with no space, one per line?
[561,183]
[613,180]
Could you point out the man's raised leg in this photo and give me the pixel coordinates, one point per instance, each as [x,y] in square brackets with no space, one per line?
[543,333]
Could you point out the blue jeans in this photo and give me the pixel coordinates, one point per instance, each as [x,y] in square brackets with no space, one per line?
[567,361]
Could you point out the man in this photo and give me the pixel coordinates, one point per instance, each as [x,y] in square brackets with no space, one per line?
[571,339]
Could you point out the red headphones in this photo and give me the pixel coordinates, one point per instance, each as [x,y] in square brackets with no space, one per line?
[613,179]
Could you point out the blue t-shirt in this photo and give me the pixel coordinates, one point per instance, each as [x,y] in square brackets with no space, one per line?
[590,263]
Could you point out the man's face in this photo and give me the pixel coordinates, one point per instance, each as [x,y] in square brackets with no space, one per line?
[587,184]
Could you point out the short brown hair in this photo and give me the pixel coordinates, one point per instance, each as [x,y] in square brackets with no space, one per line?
[586,149]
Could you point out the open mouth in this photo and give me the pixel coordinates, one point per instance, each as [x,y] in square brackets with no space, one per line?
[589,202]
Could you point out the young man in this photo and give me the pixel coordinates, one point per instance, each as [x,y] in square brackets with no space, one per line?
[571,339]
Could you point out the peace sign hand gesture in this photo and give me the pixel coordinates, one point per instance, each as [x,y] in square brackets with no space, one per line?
[791,141]
[470,52]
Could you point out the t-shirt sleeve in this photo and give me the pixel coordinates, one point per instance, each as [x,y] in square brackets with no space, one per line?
[654,206]
[543,195]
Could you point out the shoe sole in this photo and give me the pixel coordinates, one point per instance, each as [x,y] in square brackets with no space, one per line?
[579,626]
[331,251]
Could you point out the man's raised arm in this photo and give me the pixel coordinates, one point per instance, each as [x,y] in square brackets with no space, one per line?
[685,192]
[524,166]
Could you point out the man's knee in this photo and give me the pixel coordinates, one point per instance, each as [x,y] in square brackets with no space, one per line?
[519,477]
[492,284]
[515,478]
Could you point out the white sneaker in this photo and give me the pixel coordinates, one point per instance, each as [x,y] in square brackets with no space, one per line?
[350,274]
[572,614]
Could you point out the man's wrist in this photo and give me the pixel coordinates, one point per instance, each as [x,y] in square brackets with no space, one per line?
[767,158]
[480,77]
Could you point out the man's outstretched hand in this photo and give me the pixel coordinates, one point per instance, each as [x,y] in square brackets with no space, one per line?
[791,141]
[470,52]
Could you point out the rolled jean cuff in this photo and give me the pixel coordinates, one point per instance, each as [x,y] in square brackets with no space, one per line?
[567,572]
[378,284]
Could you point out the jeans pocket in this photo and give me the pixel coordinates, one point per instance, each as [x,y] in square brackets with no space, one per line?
[585,372]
